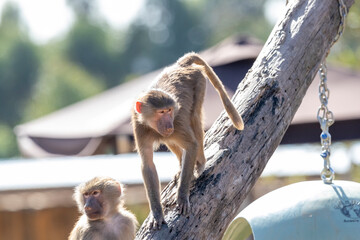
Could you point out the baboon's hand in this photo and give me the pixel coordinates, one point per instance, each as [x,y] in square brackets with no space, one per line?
[156,221]
[183,205]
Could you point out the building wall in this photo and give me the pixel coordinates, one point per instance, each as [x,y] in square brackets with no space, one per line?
[45,224]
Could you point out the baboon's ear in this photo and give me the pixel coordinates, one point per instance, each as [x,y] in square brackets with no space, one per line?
[138,106]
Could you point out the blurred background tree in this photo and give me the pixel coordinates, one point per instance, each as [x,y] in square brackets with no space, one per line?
[59,84]
[19,67]
[91,43]
[93,55]
[346,52]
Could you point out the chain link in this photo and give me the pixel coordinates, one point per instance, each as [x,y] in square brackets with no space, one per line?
[343,13]
[324,115]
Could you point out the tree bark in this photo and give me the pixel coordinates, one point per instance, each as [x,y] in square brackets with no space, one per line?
[267,98]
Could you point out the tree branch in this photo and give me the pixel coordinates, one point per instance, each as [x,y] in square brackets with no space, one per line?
[267,98]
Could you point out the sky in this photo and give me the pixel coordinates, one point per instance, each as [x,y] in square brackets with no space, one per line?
[48,19]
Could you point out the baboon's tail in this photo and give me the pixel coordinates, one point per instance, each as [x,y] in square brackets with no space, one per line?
[191,58]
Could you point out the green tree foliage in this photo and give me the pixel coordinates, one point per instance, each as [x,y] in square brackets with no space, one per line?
[229,17]
[163,26]
[83,8]
[34,81]
[7,141]
[60,84]
[19,66]
[347,51]
[163,31]
[91,43]
[88,45]
[166,29]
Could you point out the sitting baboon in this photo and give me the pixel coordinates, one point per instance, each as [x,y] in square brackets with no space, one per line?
[103,215]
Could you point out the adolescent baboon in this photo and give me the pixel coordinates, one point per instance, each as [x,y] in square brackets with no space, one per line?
[170,112]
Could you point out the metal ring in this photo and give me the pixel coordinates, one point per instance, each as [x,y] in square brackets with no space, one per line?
[327,175]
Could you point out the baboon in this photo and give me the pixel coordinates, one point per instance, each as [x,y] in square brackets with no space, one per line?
[170,112]
[103,215]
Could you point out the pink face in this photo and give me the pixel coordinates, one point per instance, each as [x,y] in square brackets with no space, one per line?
[93,206]
[163,121]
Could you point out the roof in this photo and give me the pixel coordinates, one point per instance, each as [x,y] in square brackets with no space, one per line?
[92,117]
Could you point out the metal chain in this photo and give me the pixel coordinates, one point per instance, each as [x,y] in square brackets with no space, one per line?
[343,12]
[324,115]
[326,119]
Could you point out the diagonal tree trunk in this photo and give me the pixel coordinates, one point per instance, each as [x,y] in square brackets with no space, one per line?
[267,99]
